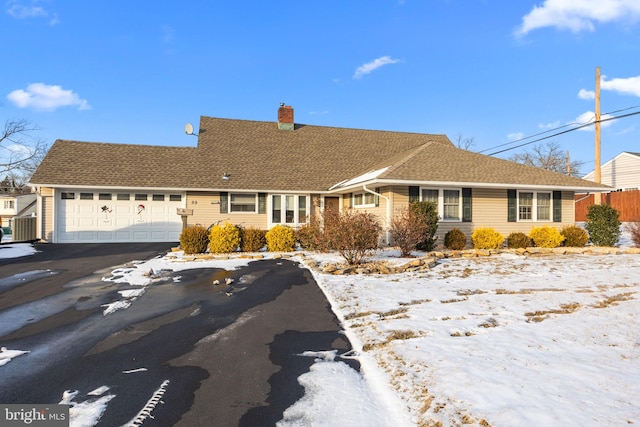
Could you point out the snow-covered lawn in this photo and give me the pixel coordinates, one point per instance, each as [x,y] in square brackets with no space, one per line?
[503,341]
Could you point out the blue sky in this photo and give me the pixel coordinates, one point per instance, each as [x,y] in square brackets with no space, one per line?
[491,70]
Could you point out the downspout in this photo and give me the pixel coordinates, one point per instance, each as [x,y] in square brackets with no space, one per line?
[388,219]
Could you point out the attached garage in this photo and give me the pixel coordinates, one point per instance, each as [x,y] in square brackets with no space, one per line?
[84,216]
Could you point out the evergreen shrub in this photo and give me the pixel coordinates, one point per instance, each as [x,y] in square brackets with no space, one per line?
[574,236]
[518,240]
[603,225]
[224,239]
[427,214]
[194,239]
[455,239]
[486,238]
[252,239]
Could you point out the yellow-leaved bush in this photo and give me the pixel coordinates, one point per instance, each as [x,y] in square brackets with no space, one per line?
[546,237]
[486,238]
[224,239]
[281,239]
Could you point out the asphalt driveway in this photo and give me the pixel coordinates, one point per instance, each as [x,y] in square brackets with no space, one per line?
[215,359]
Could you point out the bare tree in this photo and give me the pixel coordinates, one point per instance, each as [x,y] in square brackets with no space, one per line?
[464,143]
[550,157]
[20,153]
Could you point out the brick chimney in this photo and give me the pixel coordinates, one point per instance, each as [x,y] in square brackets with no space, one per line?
[285,117]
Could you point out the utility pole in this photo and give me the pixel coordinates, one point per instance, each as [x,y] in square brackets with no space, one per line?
[568,164]
[597,173]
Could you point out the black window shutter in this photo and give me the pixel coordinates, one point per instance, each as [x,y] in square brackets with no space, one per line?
[466,205]
[414,194]
[557,206]
[512,206]
[262,203]
[224,202]
[376,197]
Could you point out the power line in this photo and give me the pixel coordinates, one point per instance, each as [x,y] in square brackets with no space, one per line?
[580,126]
[560,133]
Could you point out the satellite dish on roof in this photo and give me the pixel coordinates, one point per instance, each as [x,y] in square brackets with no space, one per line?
[188,129]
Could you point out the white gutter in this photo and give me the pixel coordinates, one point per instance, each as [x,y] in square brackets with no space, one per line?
[582,198]
[388,219]
[456,184]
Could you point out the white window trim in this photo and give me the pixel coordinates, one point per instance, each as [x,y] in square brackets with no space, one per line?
[363,205]
[441,202]
[534,207]
[296,210]
[230,211]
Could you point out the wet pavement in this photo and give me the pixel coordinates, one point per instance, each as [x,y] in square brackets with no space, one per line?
[188,352]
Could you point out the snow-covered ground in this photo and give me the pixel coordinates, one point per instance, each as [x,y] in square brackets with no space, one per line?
[503,341]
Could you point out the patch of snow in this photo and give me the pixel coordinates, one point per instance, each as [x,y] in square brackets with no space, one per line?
[7,355]
[17,250]
[86,413]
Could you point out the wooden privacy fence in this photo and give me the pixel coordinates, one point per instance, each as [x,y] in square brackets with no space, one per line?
[23,229]
[627,203]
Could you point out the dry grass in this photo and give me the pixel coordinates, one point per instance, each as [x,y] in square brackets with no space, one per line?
[489,323]
[393,336]
[381,314]
[501,291]
[467,292]
[452,300]
[415,302]
[539,316]
[614,300]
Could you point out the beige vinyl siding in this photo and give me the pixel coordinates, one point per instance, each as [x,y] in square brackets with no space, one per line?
[47,218]
[380,210]
[206,211]
[621,173]
[490,210]
[45,225]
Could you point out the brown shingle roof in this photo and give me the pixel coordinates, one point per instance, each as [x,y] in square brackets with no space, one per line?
[259,156]
[450,164]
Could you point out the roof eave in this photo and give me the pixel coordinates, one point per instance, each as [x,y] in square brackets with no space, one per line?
[459,184]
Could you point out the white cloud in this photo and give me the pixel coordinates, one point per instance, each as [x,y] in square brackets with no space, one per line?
[590,117]
[40,96]
[586,94]
[30,9]
[578,15]
[374,65]
[628,86]
[515,136]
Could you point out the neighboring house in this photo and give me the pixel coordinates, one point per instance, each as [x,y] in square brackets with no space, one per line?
[263,173]
[622,172]
[16,205]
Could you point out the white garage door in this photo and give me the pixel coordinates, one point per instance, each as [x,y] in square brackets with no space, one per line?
[84,217]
